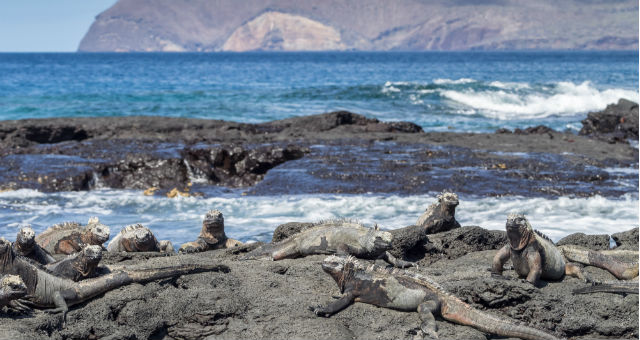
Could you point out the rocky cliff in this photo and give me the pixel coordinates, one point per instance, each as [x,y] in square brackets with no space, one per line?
[289,25]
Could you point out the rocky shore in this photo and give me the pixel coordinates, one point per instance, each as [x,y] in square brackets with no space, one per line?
[338,152]
[260,299]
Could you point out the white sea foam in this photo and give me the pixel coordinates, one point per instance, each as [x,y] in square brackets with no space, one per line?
[444,81]
[255,218]
[511,102]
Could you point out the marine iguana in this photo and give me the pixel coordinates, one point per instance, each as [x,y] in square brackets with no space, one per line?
[78,266]
[412,292]
[211,236]
[12,288]
[440,216]
[138,238]
[621,270]
[48,290]
[534,255]
[333,237]
[618,287]
[25,245]
[70,237]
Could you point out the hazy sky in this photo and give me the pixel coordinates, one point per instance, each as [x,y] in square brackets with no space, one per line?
[46,25]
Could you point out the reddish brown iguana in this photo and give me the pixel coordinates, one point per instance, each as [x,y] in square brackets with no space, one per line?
[70,237]
[412,292]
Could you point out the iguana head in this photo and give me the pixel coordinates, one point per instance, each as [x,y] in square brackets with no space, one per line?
[213,227]
[340,268]
[12,287]
[140,239]
[448,201]
[25,240]
[89,258]
[97,232]
[377,241]
[519,231]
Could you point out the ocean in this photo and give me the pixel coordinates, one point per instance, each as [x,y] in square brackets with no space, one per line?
[440,91]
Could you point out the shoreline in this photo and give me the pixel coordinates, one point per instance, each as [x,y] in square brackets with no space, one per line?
[338,152]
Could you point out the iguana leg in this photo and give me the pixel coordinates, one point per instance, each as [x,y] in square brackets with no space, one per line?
[20,305]
[501,257]
[535,267]
[394,261]
[426,311]
[61,306]
[335,306]
[571,269]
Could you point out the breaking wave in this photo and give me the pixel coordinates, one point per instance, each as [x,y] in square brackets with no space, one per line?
[510,100]
[253,218]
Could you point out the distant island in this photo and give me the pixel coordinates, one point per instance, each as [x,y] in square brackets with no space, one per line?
[367,25]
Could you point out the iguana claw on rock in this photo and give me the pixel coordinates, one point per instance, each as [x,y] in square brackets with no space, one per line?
[70,237]
[138,238]
[211,236]
[78,266]
[47,290]
[407,291]
[25,245]
[333,237]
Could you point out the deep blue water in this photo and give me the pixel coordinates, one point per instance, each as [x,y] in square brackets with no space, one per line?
[464,91]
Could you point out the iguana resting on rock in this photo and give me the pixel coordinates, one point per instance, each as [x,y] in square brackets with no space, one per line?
[412,292]
[619,287]
[211,236]
[48,290]
[534,255]
[138,238]
[333,237]
[11,288]
[25,245]
[440,216]
[78,266]
[70,237]
[621,270]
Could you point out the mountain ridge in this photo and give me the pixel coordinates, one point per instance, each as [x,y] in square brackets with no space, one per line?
[372,25]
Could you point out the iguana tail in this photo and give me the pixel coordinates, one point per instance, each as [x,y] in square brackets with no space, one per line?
[629,287]
[453,309]
[92,287]
[275,251]
[621,270]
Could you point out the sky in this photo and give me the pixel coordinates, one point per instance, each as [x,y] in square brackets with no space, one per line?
[46,25]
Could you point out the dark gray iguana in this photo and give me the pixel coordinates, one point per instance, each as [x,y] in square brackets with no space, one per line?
[12,288]
[25,245]
[78,266]
[70,237]
[333,237]
[440,216]
[407,291]
[211,236]
[536,257]
[138,238]
[47,290]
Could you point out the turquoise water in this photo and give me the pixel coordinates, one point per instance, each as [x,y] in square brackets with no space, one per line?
[463,91]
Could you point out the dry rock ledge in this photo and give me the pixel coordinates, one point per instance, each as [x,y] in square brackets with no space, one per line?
[337,152]
[259,299]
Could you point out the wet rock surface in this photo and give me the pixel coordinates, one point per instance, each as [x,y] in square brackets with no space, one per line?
[615,124]
[266,300]
[338,152]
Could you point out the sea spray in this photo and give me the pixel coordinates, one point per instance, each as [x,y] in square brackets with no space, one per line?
[253,218]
